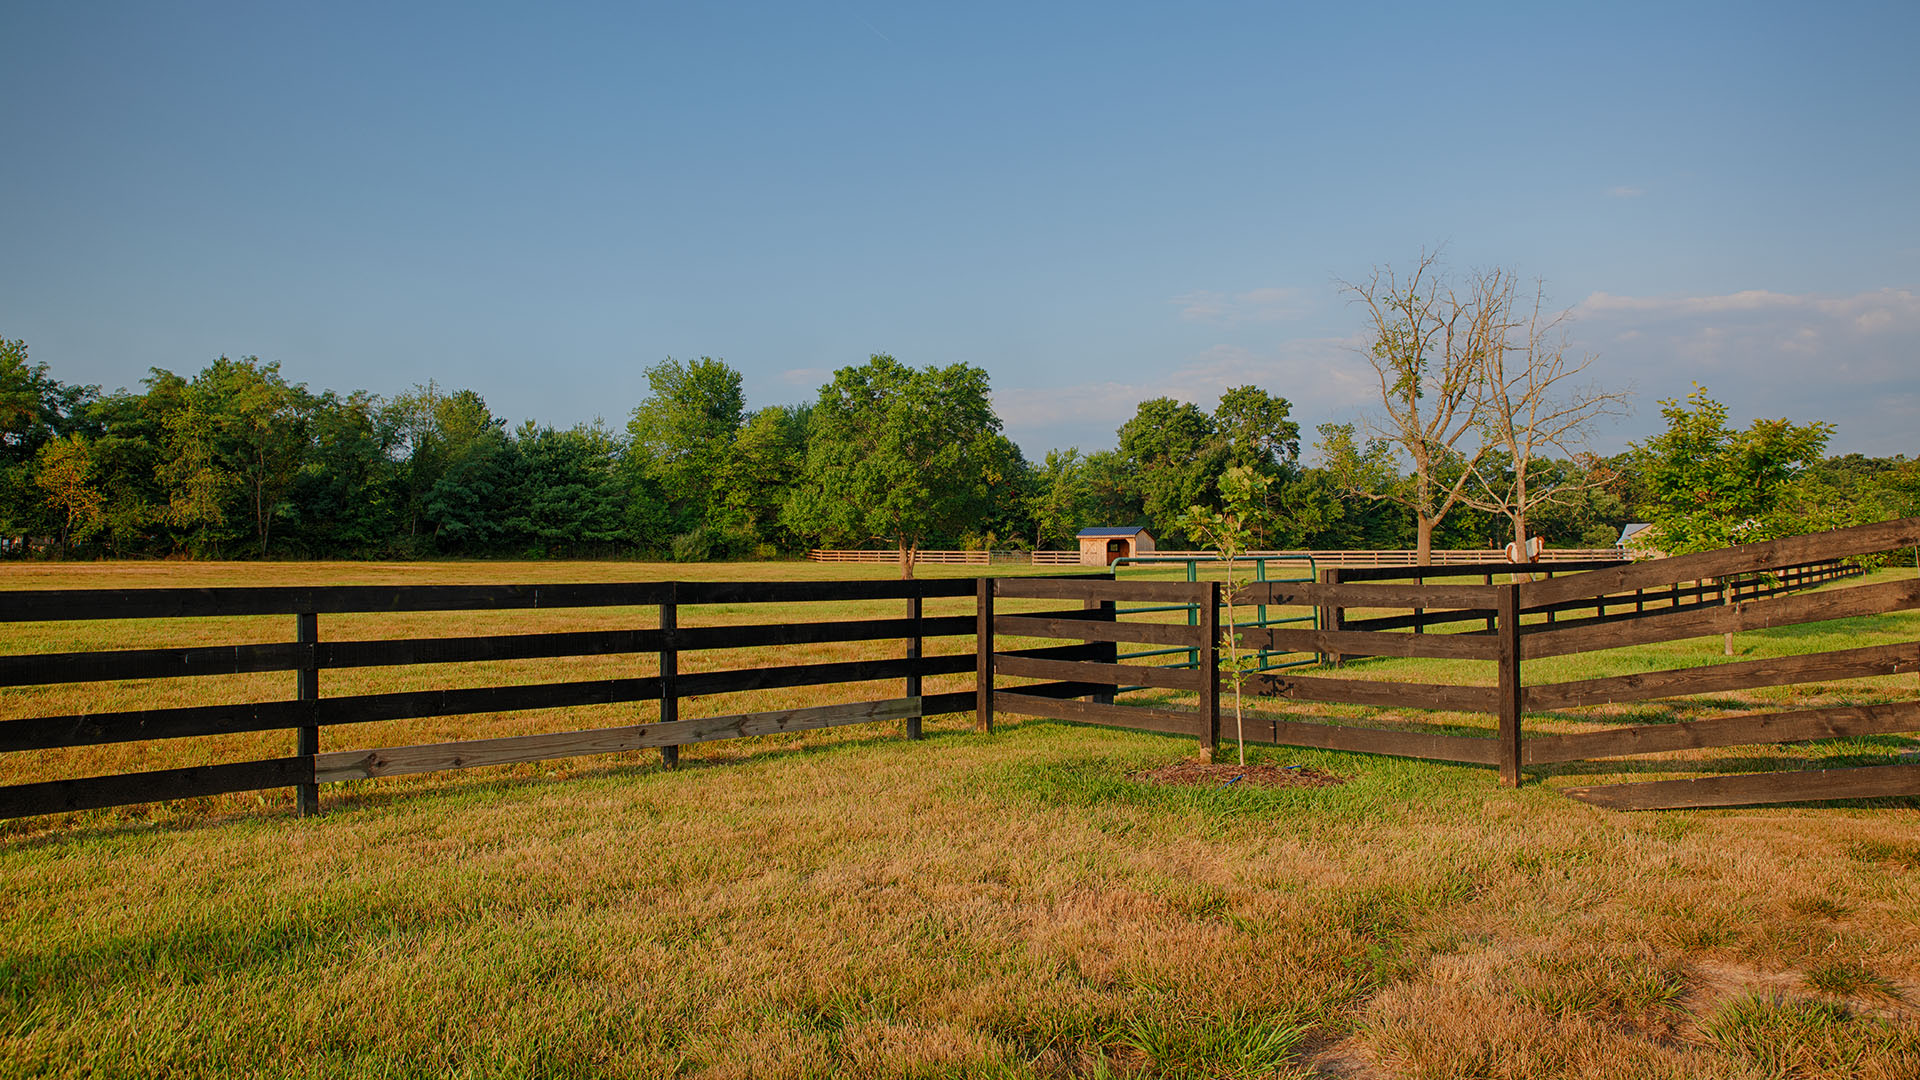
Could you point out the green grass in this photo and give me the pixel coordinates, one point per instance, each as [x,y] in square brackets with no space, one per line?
[846,903]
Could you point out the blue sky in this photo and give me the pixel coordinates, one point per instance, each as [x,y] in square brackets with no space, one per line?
[1096,203]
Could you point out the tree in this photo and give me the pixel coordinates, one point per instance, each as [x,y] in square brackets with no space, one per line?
[1174,454]
[1430,341]
[766,460]
[900,454]
[1529,401]
[681,435]
[1230,532]
[1059,503]
[1709,486]
[261,421]
[65,473]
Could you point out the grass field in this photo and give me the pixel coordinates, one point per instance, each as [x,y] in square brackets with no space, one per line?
[848,903]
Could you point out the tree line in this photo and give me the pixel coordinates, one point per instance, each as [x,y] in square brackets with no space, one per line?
[239,461]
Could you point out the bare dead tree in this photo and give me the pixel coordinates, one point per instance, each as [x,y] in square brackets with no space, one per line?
[1430,340]
[1531,399]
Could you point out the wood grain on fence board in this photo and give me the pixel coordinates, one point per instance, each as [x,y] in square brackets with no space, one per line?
[1088,629]
[1316,594]
[1818,785]
[399,760]
[1476,646]
[1465,749]
[94,792]
[1392,695]
[1096,588]
[39,605]
[1747,674]
[1166,721]
[1765,555]
[1742,729]
[1653,627]
[1088,671]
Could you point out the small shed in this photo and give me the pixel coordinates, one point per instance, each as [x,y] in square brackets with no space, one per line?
[1100,546]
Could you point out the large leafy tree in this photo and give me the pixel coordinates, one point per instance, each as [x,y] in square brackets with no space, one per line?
[1709,486]
[766,460]
[681,436]
[900,454]
[1174,453]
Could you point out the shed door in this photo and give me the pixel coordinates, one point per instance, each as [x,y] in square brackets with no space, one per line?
[1116,549]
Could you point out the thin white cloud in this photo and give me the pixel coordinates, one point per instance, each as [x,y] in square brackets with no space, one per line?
[1254,305]
[806,376]
[1624,192]
[1806,356]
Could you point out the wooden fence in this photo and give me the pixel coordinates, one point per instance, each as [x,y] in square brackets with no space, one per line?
[1603,607]
[307,655]
[953,558]
[1589,607]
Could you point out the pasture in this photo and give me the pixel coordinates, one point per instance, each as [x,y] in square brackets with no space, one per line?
[847,902]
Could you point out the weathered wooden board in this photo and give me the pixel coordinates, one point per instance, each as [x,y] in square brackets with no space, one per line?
[472,753]
[1475,646]
[1393,695]
[1715,678]
[1873,781]
[1538,641]
[1090,629]
[1086,671]
[1741,729]
[1352,595]
[1766,555]
[1098,588]
[93,792]
[1332,736]
[1166,721]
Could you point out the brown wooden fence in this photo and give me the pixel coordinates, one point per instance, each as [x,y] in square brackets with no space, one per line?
[1503,625]
[307,655]
[1597,607]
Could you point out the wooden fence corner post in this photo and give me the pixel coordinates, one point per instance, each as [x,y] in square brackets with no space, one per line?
[1330,616]
[983,644]
[669,669]
[1210,671]
[306,796]
[914,646]
[1508,658]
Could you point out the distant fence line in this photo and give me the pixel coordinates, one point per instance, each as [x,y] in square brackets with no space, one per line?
[1324,558]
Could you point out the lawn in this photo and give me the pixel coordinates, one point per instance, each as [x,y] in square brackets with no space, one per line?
[850,903]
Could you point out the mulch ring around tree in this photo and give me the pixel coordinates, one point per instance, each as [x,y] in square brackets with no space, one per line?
[1196,774]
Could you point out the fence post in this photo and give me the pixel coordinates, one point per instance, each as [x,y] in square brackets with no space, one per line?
[914,645]
[983,667]
[1509,662]
[1110,650]
[669,669]
[1210,671]
[1330,616]
[306,797]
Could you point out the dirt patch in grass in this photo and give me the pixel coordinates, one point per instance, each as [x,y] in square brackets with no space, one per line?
[1200,774]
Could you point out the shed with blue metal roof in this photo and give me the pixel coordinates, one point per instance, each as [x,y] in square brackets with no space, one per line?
[1101,545]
